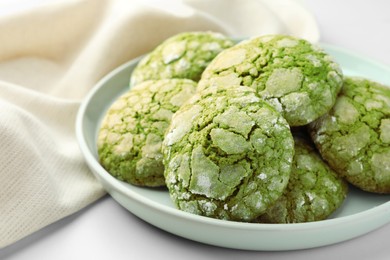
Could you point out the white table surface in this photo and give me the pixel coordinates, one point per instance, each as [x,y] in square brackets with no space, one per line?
[105,230]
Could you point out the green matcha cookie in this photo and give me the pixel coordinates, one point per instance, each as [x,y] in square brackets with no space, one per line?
[298,78]
[130,137]
[227,154]
[313,193]
[354,137]
[185,55]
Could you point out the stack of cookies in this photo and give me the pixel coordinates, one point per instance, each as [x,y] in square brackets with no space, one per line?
[266,130]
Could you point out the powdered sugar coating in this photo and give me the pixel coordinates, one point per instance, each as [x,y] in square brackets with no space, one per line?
[353,137]
[216,163]
[131,133]
[280,68]
[184,55]
[314,190]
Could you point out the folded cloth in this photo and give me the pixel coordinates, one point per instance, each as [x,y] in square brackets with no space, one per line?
[53,52]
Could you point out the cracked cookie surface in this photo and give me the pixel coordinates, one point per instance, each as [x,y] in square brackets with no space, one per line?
[227,154]
[354,136]
[298,78]
[184,55]
[313,193]
[131,133]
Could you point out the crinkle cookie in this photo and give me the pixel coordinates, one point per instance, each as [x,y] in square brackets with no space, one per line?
[130,137]
[313,193]
[298,78]
[227,155]
[354,137]
[184,55]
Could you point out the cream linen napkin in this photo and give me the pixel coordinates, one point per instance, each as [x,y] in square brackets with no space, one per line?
[53,52]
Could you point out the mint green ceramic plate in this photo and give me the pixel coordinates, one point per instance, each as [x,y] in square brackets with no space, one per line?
[362,212]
